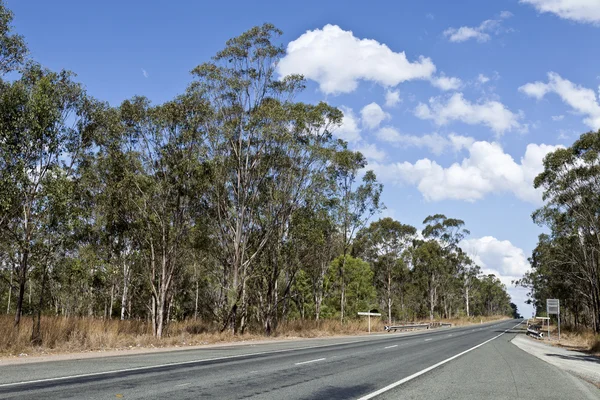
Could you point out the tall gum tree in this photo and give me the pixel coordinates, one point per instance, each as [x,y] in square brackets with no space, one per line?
[265,150]
[385,244]
[41,118]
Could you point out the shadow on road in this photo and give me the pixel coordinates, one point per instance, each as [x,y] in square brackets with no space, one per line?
[516,330]
[591,359]
[349,392]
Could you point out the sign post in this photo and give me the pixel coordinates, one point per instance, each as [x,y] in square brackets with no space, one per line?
[553,307]
[370,314]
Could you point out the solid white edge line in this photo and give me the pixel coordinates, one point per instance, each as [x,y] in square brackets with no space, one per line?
[427,340]
[308,362]
[150,367]
[389,347]
[424,371]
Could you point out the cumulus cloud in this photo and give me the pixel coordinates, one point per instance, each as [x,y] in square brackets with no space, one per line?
[487,170]
[482,79]
[456,108]
[480,33]
[500,256]
[434,142]
[371,152]
[372,115]
[445,83]
[337,61]
[582,100]
[349,130]
[145,73]
[392,97]
[586,11]
[502,259]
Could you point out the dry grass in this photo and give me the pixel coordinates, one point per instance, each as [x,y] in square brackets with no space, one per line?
[70,335]
[580,340]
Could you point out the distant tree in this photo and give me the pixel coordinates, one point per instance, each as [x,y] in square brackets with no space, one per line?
[385,244]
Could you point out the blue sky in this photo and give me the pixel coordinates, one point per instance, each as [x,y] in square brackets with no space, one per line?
[454,105]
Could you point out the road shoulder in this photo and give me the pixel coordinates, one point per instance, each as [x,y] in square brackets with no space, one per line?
[580,364]
[497,370]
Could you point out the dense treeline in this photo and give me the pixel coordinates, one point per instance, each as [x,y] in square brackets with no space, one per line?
[232,203]
[566,261]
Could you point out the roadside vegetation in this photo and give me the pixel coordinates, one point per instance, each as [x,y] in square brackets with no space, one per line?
[566,261]
[230,210]
[62,335]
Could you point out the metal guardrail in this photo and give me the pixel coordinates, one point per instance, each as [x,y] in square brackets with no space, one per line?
[404,327]
[394,328]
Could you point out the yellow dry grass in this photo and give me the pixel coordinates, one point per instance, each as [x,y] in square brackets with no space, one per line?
[577,339]
[71,335]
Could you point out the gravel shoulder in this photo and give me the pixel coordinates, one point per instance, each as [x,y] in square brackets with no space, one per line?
[583,365]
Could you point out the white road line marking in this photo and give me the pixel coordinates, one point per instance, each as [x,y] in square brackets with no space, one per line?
[415,375]
[389,347]
[449,335]
[427,340]
[150,367]
[311,361]
[183,384]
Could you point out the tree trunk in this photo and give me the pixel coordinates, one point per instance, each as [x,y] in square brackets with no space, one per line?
[125,293]
[22,279]
[36,336]
[9,291]
[389,296]
[196,304]
[112,300]
[467,300]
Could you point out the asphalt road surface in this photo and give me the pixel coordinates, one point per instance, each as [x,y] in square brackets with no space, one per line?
[466,362]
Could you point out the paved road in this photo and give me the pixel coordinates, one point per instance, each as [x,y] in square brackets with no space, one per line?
[338,368]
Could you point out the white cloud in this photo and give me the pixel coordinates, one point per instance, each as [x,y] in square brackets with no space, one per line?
[582,100]
[372,115]
[480,33]
[337,60]
[456,108]
[487,170]
[504,260]
[587,11]
[371,152]
[349,130]
[444,82]
[465,33]
[558,117]
[482,79]
[145,73]
[392,97]
[435,142]
[499,256]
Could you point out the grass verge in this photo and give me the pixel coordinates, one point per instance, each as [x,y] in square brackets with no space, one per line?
[72,335]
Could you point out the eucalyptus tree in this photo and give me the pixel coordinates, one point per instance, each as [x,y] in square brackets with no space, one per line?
[385,244]
[265,149]
[570,253]
[42,115]
[12,46]
[169,187]
[12,55]
[316,239]
[356,202]
[436,260]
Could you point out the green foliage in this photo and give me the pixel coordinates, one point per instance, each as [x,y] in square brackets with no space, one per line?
[565,263]
[232,204]
[12,46]
[358,283]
